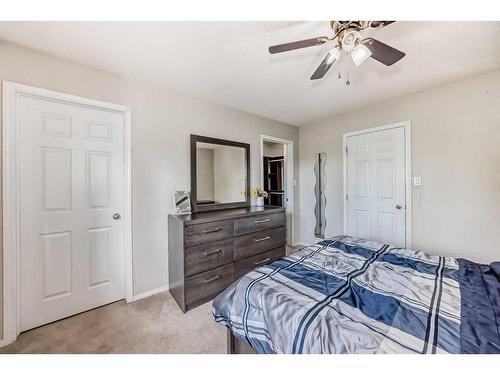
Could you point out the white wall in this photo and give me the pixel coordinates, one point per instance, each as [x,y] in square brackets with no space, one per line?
[161,123]
[456,151]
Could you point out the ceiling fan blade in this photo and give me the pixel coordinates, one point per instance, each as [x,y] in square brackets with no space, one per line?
[323,67]
[383,53]
[377,24]
[298,44]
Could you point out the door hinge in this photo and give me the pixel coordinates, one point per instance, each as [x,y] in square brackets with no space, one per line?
[346,150]
[347,197]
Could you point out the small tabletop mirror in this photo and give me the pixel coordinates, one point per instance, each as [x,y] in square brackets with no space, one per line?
[220,173]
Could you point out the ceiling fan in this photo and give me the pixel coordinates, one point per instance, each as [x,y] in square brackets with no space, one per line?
[347,34]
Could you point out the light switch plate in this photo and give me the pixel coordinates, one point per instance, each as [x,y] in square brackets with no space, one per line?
[417,181]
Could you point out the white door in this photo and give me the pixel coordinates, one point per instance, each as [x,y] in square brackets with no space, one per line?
[376,204]
[72,178]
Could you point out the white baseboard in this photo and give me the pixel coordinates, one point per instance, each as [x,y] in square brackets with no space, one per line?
[300,244]
[149,293]
[6,342]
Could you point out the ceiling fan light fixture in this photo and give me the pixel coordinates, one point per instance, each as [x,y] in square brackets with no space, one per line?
[333,55]
[348,40]
[360,54]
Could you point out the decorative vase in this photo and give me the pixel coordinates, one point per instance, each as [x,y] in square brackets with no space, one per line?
[260,201]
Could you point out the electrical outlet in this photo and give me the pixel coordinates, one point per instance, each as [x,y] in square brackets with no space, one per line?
[417,181]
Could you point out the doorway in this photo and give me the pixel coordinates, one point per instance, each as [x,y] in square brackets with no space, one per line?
[274,174]
[377,187]
[277,176]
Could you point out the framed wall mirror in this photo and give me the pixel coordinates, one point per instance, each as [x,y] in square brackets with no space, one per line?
[220,173]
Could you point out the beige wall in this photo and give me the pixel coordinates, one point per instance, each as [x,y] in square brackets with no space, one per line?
[456,151]
[161,123]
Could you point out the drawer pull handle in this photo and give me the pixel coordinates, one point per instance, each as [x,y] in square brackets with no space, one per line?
[207,253]
[262,261]
[262,239]
[212,279]
[213,230]
[262,221]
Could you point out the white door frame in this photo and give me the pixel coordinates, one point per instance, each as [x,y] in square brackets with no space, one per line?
[407,136]
[12,92]
[290,179]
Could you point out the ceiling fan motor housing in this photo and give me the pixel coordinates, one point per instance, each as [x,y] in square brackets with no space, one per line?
[349,39]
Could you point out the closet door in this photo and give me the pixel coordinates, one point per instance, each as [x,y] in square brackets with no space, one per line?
[71,198]
[376,202]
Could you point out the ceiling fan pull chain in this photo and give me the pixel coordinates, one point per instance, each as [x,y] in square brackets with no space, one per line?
[347,82]
[340,66]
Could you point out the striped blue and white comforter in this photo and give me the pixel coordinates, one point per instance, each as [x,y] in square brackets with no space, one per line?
[347,295]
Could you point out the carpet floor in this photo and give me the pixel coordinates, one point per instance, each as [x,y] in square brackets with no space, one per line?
[152,325]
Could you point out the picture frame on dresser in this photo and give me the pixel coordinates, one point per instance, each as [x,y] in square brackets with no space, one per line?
[182,203]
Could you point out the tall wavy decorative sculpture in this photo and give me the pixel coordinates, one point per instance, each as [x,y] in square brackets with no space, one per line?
[319,192]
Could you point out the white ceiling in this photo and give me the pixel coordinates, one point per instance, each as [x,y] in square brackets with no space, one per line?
[228,62]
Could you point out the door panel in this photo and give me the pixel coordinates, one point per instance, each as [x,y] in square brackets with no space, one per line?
[54,125]
[376,201]
[386,229]
[386,178]
[362,223]
[56,179]
[362,179]
[98,178]
[56,264]
[71,172]
[100,256]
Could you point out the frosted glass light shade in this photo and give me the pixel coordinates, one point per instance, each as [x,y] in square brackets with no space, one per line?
[360,53]
[333,55]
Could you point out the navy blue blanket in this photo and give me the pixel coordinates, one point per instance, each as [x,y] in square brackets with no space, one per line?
[480,316]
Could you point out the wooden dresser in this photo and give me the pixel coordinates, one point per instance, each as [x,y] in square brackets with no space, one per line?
[207,251]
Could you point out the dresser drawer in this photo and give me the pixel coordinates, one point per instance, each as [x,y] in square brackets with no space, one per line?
[259,242]
[244,266]
[256,223]
[204,286]
[208,232]
[204,257]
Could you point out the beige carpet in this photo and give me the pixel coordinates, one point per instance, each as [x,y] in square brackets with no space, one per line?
[151,325]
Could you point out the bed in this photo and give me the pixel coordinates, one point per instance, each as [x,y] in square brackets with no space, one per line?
[348,295]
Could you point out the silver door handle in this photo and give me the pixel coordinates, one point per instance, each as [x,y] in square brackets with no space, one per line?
[117,216]
[398,207]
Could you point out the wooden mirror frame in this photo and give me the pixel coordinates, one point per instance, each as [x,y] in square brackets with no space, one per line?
[194,195]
